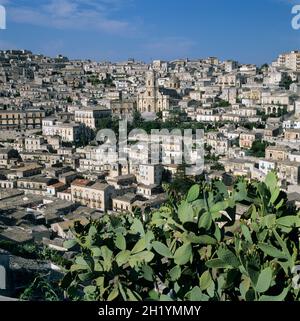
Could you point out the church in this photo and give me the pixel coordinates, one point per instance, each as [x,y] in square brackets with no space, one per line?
[156,99]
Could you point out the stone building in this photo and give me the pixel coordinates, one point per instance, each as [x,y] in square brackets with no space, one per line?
[6,156]
[218,142]
[124,203]
[149,174]
[277,153]
[290,60]
[35,185]
[247,139]
[69,132]
[292,134]
[34,143]
[16,119]
[91,116]
[93,195]
[155,99]
[123,108]
[288,172]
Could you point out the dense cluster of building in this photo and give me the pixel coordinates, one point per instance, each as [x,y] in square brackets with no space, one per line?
[53,172]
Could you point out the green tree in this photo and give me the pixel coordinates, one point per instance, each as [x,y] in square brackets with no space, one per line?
[263,68]
[222,103]
[286,81]
[258,148]
[137,119]
[217,167]
[159,115]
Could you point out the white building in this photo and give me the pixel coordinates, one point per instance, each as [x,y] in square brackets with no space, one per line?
[69,132]
[34,143]
[266,165]
[289,60]
[149,174]
[91,116]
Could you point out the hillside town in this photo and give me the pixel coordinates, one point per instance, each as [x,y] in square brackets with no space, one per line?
[54,171]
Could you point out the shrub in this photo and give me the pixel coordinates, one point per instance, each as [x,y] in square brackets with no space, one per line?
[196,249]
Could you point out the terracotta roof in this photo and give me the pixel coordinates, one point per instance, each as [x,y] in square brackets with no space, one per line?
[81,182]
[57,185]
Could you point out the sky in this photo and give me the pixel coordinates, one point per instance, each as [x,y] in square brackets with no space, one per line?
[250,31]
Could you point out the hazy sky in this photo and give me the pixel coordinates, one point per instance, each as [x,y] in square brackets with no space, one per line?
[253,31]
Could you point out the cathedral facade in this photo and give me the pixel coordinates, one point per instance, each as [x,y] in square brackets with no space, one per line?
[152,100]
